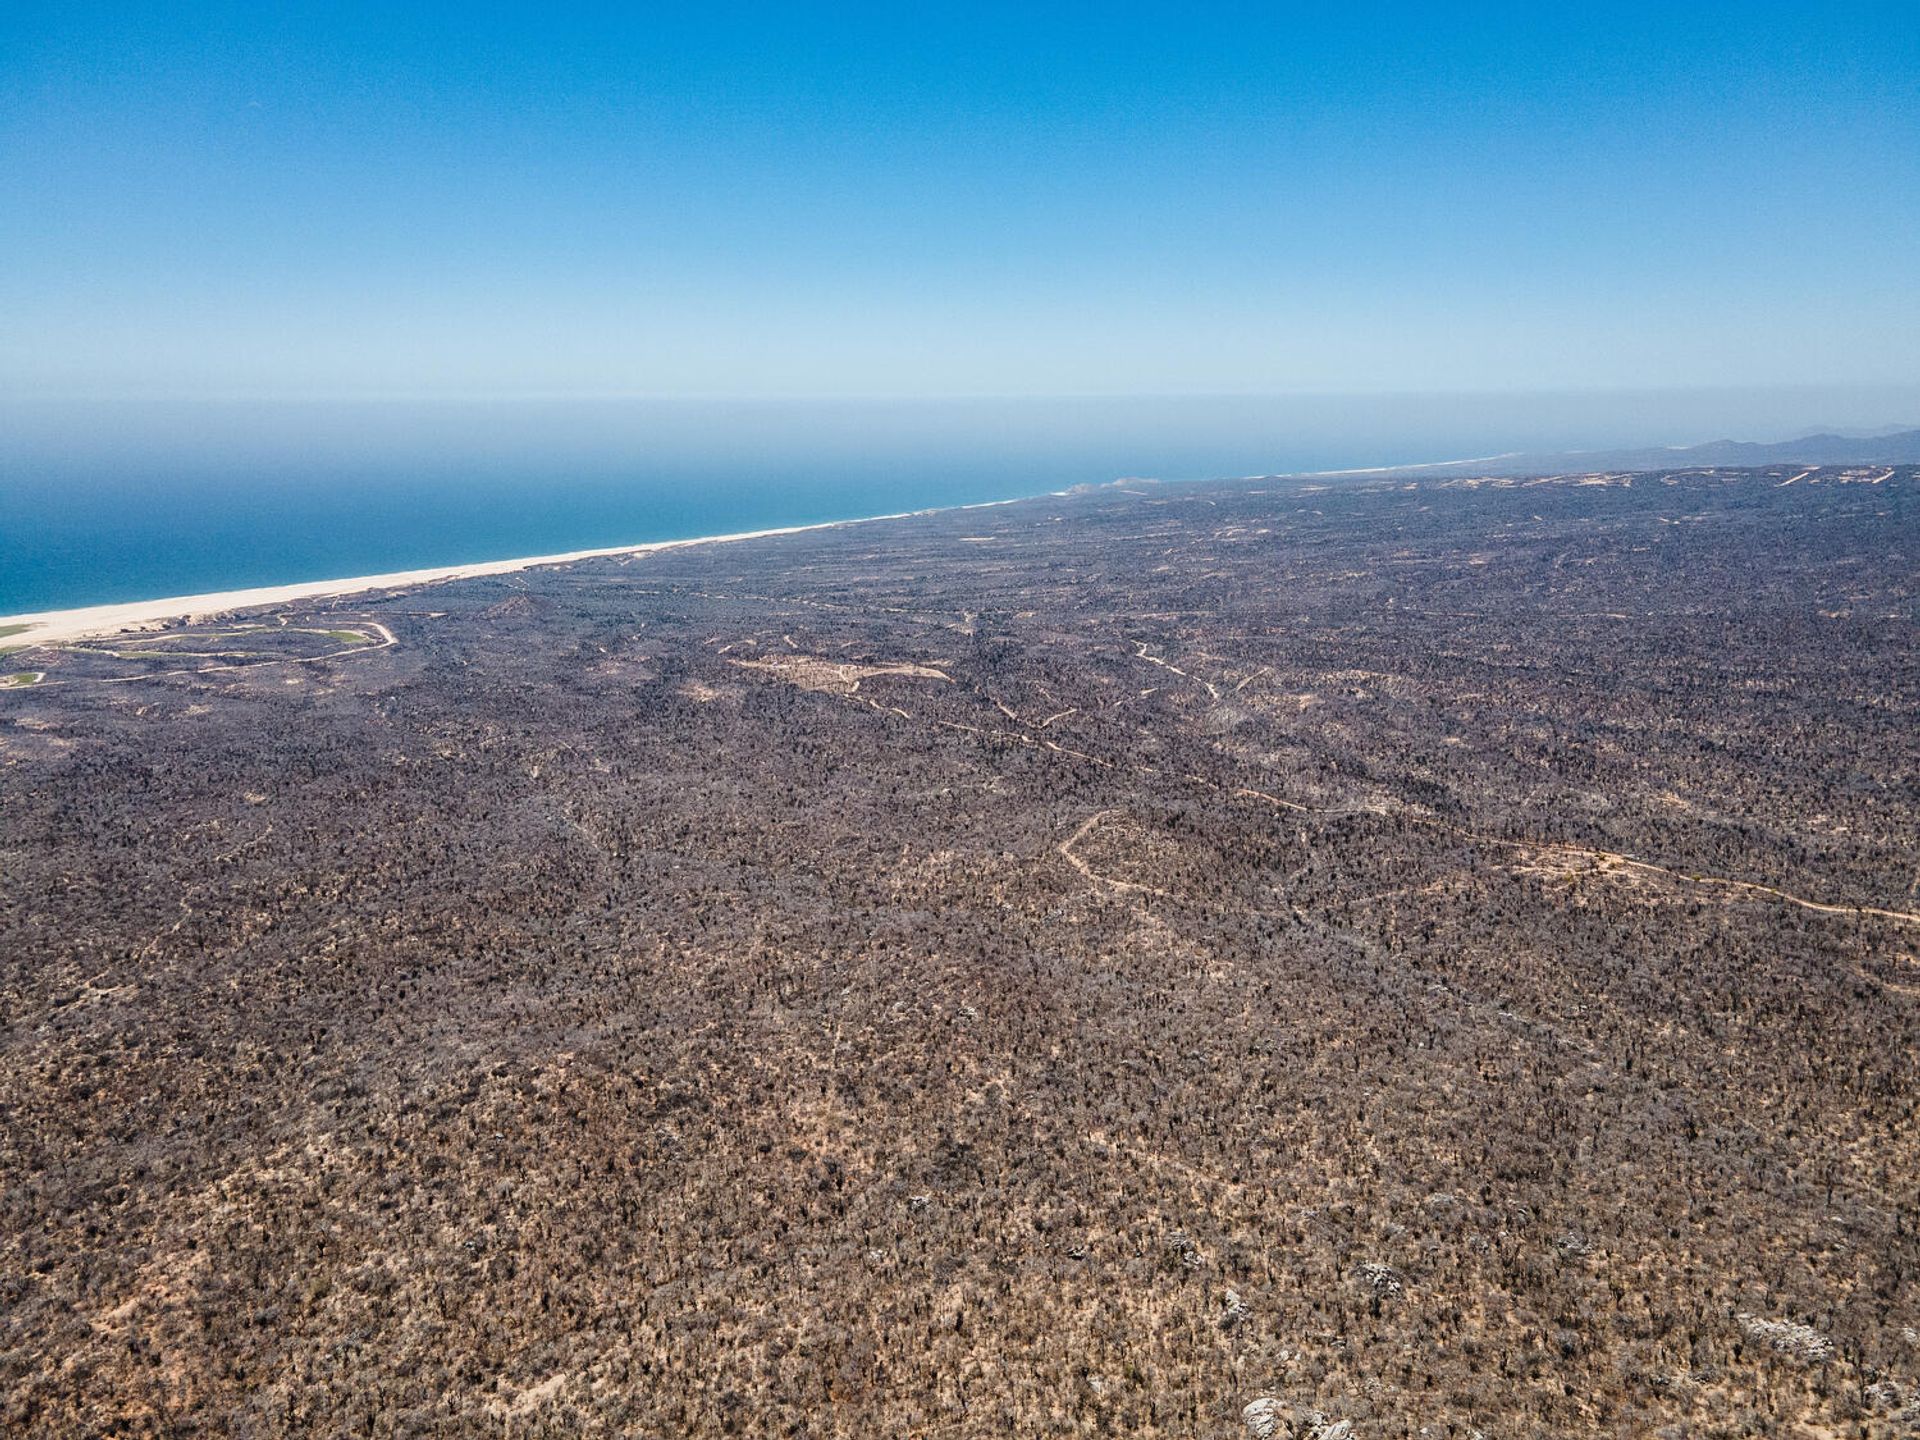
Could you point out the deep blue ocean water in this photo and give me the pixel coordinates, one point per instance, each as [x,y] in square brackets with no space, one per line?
[77,541]
[118,501]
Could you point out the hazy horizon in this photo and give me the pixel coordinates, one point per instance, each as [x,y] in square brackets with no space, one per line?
[133,500]
[1272,432]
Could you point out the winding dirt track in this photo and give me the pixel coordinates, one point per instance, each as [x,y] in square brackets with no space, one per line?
[1906,917]
[1065,847]
[1613,857]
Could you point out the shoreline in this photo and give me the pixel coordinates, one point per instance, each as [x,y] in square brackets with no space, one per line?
[52,627]
[1396,469]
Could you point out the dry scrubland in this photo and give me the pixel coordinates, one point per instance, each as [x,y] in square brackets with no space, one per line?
[1160,962]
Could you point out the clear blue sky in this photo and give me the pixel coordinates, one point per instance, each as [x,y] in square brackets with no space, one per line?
[907,200]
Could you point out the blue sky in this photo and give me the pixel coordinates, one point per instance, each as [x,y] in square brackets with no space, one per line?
[901,200]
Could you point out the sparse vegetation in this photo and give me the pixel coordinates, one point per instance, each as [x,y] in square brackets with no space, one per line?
[1209,961]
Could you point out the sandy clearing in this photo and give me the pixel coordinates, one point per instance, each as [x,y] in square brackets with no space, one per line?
[386,640]
[841,677]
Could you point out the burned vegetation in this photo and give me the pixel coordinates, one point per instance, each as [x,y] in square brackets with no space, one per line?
[1402,959]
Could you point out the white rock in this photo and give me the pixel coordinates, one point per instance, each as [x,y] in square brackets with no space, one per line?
[1383,1280]
[1789,1337]
[1263,1418]
[1234,1310]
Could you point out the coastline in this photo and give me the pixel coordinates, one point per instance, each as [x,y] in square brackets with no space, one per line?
[51,627]
[1396,469]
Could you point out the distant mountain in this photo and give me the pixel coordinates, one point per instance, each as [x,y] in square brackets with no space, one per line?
[1900,447]
[1877,432]
[1890,447]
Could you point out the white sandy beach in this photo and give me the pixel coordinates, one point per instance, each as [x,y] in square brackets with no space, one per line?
[54,626]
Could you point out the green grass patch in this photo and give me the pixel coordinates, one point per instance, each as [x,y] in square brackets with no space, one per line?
[20,679]
[349,637]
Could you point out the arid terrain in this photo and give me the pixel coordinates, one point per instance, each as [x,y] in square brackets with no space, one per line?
[1434,957]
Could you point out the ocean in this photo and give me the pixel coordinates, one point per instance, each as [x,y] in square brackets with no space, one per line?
[131,500]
